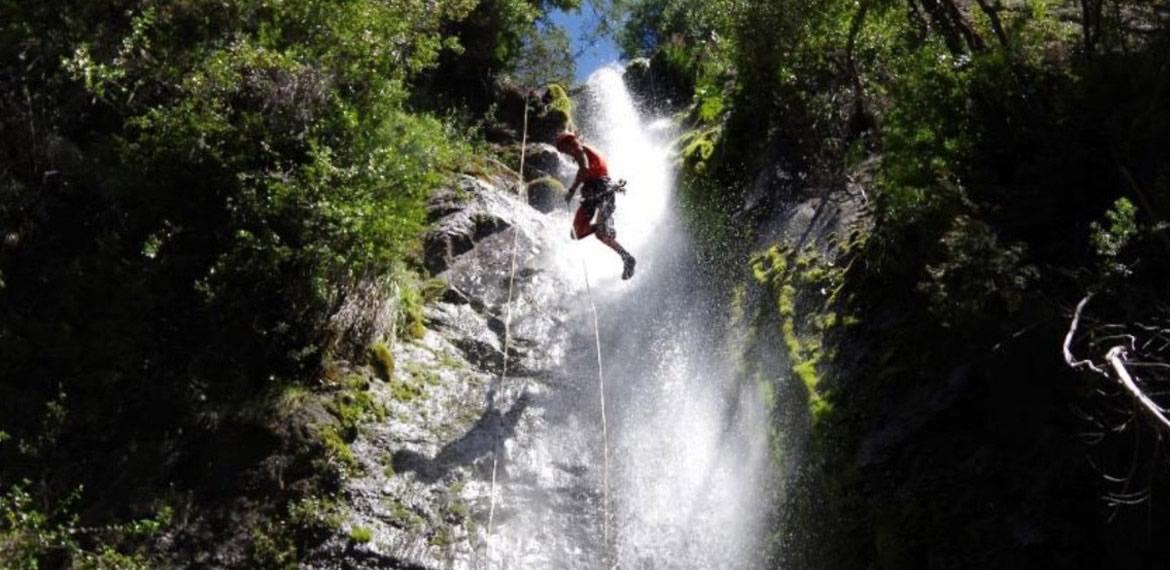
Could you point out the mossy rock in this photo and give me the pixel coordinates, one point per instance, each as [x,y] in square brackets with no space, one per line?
[546,194]
[550,115]
[541,160]
[697,148]
[560,107]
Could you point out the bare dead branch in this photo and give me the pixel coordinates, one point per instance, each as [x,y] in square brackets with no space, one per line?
[1068,338]
[1116,358]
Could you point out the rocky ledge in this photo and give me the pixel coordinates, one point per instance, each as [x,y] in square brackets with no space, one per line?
[420,495]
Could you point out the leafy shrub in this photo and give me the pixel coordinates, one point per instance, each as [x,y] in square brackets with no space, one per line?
[1109,242]
[976,276]
[31,536]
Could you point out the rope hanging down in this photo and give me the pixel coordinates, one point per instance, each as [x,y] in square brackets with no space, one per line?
[507,331]
[504,371]
[604,426]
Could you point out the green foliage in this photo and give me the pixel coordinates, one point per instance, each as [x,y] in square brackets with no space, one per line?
[30,535]
[988,139]
[1109,242]
[316,514]
[976,277]
[546,56]
[806,292]
[272,546]
[188,192]
[495,38]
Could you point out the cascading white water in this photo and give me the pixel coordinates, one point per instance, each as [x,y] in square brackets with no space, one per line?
[688,442]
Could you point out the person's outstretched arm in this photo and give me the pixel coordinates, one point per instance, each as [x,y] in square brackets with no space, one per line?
[582,160]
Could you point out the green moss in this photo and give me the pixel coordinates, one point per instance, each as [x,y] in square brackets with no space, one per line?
[738,299]
[403,517]
[432,289]
[422,374]
[805,287]
[382,359]
[698,147]
[551,182]
[361,534]
[560,107]
[272,546]
[441,538]
[767,393]
[315,514]
[411,321]
[337,450]
[278,400]
[405,391]
[355,404]
[458,510]
[450,361]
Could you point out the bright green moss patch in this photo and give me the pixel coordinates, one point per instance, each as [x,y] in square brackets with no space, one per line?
[561,107]
[804,286]
[361,534]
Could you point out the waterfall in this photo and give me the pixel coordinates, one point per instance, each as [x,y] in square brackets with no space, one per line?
[688,442]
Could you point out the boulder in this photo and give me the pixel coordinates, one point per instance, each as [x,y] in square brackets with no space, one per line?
[546,194]
[658,83]
[541,160]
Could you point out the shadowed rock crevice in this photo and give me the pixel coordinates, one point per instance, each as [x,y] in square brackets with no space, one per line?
[471,449]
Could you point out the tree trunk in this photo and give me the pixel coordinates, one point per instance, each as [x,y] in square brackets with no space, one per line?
[992,13]
[861,120]
[950,21]
[1091,24]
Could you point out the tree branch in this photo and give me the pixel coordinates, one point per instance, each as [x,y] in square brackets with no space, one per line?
[1068,338]
[1116,358]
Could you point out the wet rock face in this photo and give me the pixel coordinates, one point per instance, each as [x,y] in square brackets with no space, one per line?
[463,215]
[544,124]
[424,484]
[541,160]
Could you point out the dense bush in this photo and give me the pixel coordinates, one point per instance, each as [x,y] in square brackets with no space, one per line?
[1008,153]
[188,190]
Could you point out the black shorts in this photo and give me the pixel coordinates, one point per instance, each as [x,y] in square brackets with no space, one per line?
[597,198]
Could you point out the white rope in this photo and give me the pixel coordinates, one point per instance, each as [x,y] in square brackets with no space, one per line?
[604,425]
[504,373]
[507,332]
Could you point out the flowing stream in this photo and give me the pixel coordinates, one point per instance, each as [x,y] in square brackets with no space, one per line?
[687,444]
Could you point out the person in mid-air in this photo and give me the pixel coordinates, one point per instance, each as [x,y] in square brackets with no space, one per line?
[597,197]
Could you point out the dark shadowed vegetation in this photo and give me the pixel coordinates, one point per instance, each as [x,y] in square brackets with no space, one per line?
[1012,158]
[190,194]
